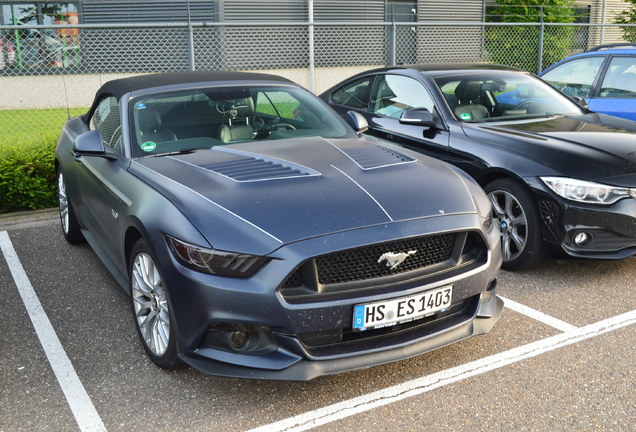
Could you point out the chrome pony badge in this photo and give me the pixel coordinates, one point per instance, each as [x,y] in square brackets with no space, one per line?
[395,259]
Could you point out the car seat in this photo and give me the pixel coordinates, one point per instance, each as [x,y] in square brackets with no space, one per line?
[240,111]
[468,95]
[150,127]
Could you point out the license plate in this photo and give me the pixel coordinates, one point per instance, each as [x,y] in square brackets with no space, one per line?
[401,310]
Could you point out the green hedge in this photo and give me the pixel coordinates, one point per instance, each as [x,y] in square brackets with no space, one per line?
[27,176]
[27,145]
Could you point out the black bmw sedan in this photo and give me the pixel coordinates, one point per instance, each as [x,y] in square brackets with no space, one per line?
[260,236]
[558,176]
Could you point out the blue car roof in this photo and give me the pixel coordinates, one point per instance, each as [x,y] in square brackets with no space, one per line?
[601,50]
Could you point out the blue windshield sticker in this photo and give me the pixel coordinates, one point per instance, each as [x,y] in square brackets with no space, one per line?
[141,106]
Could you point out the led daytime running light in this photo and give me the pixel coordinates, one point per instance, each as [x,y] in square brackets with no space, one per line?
[586,191]
[215,262]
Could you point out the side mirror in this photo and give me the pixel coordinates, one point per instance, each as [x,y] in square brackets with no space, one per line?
[357,122]
[580,102]
[418,117]
[89,143]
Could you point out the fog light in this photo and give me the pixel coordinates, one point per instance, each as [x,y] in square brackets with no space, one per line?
[485,296]
[581,238]
[238,339]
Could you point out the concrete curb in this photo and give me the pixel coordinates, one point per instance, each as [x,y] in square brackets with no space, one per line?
[26,219]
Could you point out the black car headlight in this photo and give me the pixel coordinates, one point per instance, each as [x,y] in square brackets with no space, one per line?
[215,262]
[585,191]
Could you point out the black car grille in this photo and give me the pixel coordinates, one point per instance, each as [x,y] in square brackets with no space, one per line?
[362,263]
[362,269]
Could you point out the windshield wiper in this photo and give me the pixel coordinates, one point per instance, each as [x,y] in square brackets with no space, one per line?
[183,151]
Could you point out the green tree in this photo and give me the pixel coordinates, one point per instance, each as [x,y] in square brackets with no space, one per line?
[518,46]
[628,17]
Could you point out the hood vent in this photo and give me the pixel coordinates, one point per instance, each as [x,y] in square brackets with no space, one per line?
[368,157]
[247,169]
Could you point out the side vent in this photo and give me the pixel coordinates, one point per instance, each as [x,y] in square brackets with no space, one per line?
[368,157]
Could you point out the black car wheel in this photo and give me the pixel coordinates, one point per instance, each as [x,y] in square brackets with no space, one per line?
[151,309]
[518,219]
[70,226]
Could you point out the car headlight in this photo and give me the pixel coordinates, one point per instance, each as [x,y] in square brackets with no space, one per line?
[215,262]
[585,191]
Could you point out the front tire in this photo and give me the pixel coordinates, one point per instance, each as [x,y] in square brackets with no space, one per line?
[518,218]
[70,225]
[152,313]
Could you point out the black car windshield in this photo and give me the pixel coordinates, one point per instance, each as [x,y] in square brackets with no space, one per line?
[502,96]
[186,120]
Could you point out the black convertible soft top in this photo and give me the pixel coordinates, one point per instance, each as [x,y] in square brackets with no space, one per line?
[119,87]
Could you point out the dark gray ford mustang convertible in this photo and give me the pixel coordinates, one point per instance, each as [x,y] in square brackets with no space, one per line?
[260,236]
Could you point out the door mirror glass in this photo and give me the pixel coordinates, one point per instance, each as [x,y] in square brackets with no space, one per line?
[89,143]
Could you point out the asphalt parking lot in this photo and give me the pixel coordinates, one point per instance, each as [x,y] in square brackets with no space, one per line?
[561,358]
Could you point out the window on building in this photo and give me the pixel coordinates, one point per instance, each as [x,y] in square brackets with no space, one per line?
[39,48]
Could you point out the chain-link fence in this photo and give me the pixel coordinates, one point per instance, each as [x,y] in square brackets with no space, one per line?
[48,73]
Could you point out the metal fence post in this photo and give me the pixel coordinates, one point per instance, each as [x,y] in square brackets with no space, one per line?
[541,30]
[392,55]
[190,39]
[603,21]
[312,66]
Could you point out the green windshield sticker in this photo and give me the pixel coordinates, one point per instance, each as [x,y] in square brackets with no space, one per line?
[465,116]
[149,146]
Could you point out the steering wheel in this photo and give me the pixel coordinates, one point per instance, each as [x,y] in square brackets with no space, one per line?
[538,107]
[283,126]
[527,103]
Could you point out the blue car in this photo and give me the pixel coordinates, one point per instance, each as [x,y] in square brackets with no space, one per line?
[260,236]
[605,77]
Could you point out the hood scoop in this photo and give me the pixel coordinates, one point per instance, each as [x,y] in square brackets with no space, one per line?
[369,157]
[247,167]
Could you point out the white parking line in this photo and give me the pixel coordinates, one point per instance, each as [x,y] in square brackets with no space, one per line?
[537,315]
[422,385]
[80,403]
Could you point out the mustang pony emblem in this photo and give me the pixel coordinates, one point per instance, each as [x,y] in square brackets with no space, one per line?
[395,259]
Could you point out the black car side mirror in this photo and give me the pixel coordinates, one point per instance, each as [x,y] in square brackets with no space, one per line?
[357,122]
[418,117]
[90,144]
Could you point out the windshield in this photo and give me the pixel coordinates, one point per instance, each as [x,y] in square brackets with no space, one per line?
[182,121]
[501,96]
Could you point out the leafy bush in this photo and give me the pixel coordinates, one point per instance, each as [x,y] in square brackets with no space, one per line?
[27,146]
[628,17]
[27,176]
[518,45]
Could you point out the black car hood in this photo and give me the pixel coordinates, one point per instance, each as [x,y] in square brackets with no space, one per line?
[570,144]
[288,190]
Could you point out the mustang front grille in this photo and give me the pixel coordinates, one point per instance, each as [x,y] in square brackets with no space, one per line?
[383,264]
[364,263]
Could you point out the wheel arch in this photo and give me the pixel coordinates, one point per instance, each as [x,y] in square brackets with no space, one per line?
[130,238]
[498,173]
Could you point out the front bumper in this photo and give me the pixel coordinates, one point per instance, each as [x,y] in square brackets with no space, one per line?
[303,369]
[295,340]
[610,229]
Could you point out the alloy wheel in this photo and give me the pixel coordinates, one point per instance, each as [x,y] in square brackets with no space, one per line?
[151,304]
[512,222]
[63,200]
